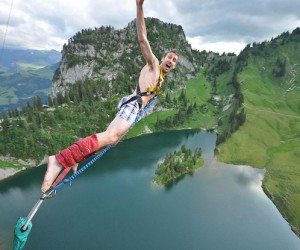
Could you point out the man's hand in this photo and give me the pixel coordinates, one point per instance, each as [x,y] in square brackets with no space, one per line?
[139,2]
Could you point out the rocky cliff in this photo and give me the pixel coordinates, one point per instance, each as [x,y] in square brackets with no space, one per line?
[108,53]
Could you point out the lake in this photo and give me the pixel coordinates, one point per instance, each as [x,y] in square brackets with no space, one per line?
[114,205]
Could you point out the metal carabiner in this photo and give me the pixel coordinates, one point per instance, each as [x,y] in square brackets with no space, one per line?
[49,194]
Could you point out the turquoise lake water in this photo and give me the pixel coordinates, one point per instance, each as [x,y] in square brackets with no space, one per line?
[114,205]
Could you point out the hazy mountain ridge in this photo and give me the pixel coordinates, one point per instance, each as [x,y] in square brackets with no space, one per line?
[11,60]
[25,74]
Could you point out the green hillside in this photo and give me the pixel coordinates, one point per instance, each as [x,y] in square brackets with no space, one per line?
[270,137]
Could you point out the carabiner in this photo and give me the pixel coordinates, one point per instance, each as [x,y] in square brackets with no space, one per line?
[49,194]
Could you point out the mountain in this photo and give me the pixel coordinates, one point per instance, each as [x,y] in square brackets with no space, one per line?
[114,54]
[24,74]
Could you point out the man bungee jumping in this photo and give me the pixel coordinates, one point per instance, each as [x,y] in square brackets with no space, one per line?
[149,85]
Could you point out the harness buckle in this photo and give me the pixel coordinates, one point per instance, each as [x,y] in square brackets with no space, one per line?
[156,90]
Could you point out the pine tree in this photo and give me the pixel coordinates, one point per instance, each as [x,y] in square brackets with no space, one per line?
[37,103]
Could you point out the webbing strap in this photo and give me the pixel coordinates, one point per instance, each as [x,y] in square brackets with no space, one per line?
[137,97]
[61,177]
[150,91]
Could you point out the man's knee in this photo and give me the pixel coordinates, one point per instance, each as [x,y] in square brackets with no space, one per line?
[112,136]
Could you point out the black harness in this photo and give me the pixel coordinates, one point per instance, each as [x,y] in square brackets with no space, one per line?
[150,91]
[139,94]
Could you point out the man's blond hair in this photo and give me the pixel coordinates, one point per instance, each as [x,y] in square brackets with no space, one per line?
[175,51]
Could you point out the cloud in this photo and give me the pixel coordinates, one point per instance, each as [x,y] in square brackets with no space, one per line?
[216,25]
[231,23]
[220,47]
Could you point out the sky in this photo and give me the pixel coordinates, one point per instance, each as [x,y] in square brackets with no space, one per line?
[211,25]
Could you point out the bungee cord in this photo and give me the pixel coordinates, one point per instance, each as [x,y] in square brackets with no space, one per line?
[59,183]
[5,33]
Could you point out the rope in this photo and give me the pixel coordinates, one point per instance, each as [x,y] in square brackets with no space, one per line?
[5,33]
[91,162]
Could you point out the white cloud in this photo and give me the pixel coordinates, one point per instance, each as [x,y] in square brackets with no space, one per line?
[220,47]
[219,25]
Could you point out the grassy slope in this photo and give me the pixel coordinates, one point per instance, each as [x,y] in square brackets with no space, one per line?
[6,164]
[270,137]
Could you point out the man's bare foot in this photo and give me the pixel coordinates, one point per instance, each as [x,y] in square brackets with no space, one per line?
[52,172]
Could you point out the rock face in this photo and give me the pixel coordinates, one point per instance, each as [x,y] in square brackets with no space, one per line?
[106,53]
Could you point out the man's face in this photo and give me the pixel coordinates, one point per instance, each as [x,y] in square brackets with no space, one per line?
[169,62]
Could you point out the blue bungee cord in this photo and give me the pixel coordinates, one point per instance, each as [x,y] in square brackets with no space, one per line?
[52,191]
[86,166]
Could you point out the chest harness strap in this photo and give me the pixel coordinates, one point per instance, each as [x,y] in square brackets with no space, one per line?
[150,91]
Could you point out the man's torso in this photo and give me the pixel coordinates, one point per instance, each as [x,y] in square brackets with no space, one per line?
[148,79]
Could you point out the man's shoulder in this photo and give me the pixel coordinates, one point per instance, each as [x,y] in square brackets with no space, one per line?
[154,63]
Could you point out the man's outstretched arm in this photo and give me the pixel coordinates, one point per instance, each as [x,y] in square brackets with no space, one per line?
[142,35]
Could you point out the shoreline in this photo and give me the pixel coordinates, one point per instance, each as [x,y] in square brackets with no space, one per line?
[8,172]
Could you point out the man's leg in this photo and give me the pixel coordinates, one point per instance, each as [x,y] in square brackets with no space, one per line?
[115,130]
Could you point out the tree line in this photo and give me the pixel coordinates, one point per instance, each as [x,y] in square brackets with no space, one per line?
[237,115]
